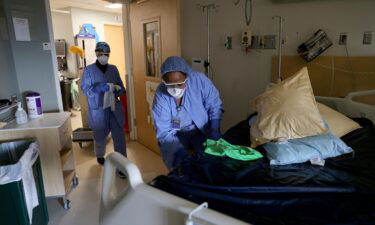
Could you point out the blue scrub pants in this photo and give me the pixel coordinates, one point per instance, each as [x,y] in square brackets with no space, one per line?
[118,137]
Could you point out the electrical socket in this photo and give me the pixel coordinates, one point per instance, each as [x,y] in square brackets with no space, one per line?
[343,39]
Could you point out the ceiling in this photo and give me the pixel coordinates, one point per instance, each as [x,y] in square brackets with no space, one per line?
[83,4]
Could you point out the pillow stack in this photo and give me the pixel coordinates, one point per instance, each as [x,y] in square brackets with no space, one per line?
[290,125]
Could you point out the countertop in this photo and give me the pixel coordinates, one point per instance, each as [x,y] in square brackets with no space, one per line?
[48,120]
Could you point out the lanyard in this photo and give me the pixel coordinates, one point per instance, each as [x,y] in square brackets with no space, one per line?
[179,106]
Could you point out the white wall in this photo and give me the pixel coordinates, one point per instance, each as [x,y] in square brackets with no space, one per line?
[240,76]
[96,18]
[34,67]
[63,29]
[8,77]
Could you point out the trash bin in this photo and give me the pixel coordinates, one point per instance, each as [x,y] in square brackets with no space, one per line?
[21,184]
[65,86]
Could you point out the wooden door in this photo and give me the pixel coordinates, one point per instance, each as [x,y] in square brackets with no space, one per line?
[114,36]
[164,41]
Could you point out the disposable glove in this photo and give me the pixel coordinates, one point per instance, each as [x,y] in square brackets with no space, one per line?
[215,129]
[100,88]
[215,135]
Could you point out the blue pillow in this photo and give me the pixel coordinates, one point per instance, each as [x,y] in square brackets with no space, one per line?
[304,149]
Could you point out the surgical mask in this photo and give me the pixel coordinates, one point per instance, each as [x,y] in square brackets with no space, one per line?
[176,92]
[103,59]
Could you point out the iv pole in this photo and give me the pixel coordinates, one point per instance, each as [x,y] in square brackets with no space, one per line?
[207,61]
[280,45]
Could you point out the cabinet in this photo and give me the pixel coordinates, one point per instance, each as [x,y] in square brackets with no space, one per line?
[53,132]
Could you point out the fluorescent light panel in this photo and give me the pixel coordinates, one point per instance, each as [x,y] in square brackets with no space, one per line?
[114,6]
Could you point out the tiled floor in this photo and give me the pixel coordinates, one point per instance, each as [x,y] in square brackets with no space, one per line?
[85,198]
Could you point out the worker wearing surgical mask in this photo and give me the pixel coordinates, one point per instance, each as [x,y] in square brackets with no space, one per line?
[99,80]
[187,110]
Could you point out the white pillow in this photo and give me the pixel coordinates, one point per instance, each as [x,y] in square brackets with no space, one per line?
[286,111]
[339,123]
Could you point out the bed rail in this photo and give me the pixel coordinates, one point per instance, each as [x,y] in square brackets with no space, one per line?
[349,107]
[141,204]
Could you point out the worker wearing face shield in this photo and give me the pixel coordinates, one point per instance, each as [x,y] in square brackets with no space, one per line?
[102,85]
[187,110]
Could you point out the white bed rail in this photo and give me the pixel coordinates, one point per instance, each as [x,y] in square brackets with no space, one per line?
[349,107]
[141,204]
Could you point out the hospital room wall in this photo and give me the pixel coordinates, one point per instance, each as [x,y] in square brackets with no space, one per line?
[240,76]
[63,29]
[33,66]
[8,78]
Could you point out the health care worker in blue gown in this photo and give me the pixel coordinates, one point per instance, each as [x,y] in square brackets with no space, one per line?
[187,110]
[101,79]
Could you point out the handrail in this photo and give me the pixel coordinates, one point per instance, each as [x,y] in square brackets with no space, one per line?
[351,95]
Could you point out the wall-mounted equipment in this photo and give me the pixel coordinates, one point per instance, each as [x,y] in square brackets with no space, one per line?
[248,10]
[236,2]
[228,42]
[207,9]
[197,64]
[367,37]
[263,42]
[246,38]
[315,46]
[60,46]
[281,21]
[343,39]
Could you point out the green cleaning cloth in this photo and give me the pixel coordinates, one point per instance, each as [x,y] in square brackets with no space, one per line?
[223,148]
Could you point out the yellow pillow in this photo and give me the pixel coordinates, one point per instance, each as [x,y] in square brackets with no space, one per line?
[339,123]
[286,111]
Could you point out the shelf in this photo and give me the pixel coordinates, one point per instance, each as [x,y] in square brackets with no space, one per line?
[65,155]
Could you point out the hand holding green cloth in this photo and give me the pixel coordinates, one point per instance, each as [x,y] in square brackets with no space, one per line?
[223,148]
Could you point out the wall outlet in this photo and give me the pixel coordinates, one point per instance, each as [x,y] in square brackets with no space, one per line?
[343,39]
[47,46]
[367,38]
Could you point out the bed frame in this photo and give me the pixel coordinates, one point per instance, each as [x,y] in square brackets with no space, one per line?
[142,204]
[349,107]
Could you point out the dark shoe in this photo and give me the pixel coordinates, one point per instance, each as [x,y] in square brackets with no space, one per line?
[100,160]
[121,174]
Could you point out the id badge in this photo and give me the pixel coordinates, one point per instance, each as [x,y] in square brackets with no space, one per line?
[176,123]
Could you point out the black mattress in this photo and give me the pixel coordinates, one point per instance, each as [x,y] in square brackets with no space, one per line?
[340,192]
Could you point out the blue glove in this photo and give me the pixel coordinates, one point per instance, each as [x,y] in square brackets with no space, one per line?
[100,88]
[117,90]
[215,129]
[215,124]
[215,135]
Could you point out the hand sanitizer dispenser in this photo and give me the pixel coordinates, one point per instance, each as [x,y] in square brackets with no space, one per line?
[21,116]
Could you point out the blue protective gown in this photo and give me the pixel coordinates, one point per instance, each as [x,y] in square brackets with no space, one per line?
[102,121]
[201,103]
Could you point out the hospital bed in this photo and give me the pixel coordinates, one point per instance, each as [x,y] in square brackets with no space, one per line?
[255,192]
[141,204]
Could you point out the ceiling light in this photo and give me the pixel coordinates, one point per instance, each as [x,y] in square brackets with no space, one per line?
[114,6]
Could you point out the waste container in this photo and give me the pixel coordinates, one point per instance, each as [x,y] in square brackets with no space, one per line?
[21,184]
[65,86]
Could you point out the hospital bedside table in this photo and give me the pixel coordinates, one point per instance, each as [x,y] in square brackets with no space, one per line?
[53,132]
